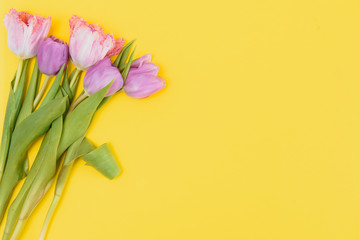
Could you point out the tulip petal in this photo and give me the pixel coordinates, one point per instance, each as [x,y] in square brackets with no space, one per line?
[35,34]
[52,54]
[25,32]
[119,42]
[15,28]
[147,68]
[143,85]
[100,75]
[142,60]
[88,44]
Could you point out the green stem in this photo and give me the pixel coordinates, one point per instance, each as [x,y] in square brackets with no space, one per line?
[6,188]
[16,232]
[48,218]
[60,185]
[41,92]
[6,235]
[78,101]
[18,73]
[72,81]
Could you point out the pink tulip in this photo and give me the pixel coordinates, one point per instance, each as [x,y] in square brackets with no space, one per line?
[100,75]
[88,44]
[142,80]
[53,53]
[25,32]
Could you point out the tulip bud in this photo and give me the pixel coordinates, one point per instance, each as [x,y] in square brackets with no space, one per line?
[25,32]
[100,75]
[53,53]
[142,80]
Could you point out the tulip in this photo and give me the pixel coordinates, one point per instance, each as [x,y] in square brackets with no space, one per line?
[100,75]
[25,34]
[88,44]
[53,53]
[142,80]
[97,77]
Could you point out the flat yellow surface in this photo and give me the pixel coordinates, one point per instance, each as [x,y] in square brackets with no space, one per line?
[255,136]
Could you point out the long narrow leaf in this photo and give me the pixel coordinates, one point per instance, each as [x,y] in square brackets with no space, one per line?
[26,108]
[24,134]
[78,121]
[66,85]
[54,87]
[128,65]
[11,114]
[122,56]
[19,93]
[7,131]
[36,183]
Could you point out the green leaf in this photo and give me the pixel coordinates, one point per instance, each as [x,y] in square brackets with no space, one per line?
[7,131]
[66,85]
[24,134]
[26,108]
[37,182]
[26,165]
[122,67]
[19,93]
[38,83]
[80,147]
[70,156]
[11,114]
[100,158]
[85,147]
[54,88]
[104,161]
[127,68]
[47,170]
[122,56]
[63,92]
[61,182]
[105,100]
[77,122]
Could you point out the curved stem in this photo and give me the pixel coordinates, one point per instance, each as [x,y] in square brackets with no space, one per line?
[17,230]
[18,73]
[41,92]
[77,101]
[60,185]
[48,218]
[72,81]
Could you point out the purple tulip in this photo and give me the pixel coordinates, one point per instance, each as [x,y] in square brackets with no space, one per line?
[142,80]
[100,75]
[53,53]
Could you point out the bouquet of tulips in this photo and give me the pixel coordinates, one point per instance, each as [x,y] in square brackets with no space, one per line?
[58,114]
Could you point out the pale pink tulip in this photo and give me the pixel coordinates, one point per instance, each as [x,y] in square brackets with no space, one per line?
[88,44]
[25,32]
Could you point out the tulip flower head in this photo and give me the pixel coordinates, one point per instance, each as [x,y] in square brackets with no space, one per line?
[53,53]
[100,75]
[142,80]
[25,32]
[88,44]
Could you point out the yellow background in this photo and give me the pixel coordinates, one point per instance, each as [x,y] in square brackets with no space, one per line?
[255,136]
